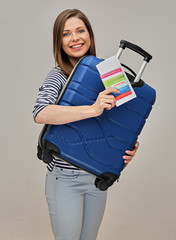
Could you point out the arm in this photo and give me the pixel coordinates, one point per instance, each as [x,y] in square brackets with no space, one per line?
[56,114]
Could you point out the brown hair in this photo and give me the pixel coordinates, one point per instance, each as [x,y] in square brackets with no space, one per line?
[60,56]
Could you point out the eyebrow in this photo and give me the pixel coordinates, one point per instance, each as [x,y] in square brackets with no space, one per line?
[67,30]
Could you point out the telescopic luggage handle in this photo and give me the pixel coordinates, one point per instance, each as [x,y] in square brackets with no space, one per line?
[137,49]
[147,57]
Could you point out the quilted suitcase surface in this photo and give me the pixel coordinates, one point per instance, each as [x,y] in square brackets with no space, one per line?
[98,144]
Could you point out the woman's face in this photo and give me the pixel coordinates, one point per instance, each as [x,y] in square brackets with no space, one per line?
[76,39]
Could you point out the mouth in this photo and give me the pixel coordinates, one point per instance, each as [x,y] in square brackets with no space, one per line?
[77,46]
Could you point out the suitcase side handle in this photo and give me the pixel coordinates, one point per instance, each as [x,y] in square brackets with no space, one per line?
[135,48]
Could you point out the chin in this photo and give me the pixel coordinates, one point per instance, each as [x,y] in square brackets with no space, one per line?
[80,55]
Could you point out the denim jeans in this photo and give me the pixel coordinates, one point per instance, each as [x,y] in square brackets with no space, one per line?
[75,205]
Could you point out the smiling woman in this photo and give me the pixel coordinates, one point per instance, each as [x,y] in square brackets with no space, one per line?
[75,205]
[63,22]
[76,39]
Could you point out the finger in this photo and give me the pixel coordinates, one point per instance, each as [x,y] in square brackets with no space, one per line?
[127,161]
[111,89]
[108,96]
[126,157]
[136,145]
[131,153]
[109,99]
[107,102]
[109,105]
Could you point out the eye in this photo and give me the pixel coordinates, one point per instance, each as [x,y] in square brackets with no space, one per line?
[66,34]
[81,31]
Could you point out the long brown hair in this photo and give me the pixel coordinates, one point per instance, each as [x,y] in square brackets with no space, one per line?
[60,56]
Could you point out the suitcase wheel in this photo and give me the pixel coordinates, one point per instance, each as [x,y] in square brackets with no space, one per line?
[48,150]
[103,185]
[106,180]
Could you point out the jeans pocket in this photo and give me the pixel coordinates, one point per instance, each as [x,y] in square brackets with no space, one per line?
[67,174]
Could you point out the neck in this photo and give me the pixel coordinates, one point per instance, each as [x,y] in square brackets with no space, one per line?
[73,61]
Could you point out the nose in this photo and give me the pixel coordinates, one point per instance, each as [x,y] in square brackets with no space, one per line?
[75,36]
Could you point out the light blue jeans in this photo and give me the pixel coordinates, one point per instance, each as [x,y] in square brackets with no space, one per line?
[75,205]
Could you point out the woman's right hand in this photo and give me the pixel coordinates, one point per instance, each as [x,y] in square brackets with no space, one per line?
[105,100]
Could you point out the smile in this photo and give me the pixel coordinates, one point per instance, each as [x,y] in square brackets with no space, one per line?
[77,46]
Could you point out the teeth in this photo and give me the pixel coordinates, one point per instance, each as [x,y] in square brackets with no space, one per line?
[77,46]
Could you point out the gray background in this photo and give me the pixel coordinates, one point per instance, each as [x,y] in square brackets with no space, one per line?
[142,205]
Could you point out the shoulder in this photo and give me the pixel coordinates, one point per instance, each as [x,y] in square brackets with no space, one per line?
[56,74]
[55,78]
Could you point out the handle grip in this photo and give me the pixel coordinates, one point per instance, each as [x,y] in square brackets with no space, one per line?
[137,49]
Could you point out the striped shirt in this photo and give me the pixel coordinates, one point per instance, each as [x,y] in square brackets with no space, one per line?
[48,94]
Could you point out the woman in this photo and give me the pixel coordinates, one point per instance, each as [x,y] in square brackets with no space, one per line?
[76,206]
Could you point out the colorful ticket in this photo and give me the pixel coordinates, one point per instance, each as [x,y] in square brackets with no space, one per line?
[113,75]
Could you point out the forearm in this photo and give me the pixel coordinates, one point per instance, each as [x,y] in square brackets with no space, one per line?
[57,114]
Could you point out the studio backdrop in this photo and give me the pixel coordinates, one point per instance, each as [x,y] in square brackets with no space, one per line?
[142,204]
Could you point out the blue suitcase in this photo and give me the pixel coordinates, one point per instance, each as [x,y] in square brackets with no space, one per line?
[97,145]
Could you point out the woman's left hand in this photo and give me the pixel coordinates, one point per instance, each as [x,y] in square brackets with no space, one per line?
[131,154]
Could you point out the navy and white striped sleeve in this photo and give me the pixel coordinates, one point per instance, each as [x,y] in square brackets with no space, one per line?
[49,91]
